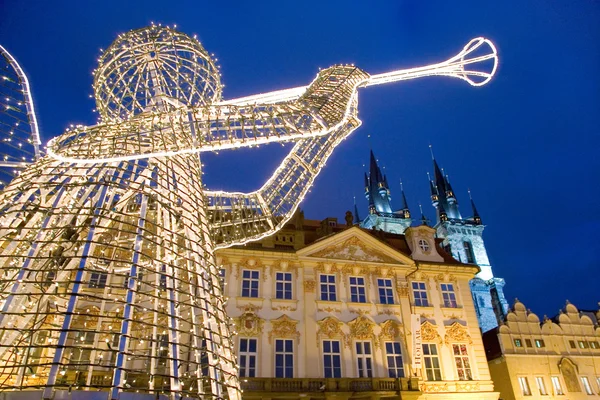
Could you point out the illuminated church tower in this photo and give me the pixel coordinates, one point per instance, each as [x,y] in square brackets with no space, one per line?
[462,237]
[378,195]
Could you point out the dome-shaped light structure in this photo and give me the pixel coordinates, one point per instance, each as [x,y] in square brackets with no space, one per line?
[150,67]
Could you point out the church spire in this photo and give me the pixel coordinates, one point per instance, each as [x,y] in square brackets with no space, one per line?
[442,194]
[476,217]
[356,217]
[377,190]
[404,211]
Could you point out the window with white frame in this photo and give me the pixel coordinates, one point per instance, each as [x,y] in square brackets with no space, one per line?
[332,359]
[448,295]
[393,354]
[558,390]
[386,293]
[461,359]
[420,294]
[247,357]
[364,359]
[98,280]
[283,285]
[586,385]
[431,361]
[357,289]
[250,281]
[327,286]
[524,385]
[284,358]
[539,380]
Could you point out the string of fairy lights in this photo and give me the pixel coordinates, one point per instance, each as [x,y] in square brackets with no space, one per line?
[108,278]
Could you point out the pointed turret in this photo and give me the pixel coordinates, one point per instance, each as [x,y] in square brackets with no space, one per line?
[404,211]
[444,200]
[476,217]
[423,217]
[356,217]
[377,191]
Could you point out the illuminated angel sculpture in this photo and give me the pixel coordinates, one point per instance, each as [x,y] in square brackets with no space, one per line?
[108,274]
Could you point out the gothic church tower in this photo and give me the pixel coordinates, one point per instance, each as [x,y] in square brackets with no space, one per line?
[462,237]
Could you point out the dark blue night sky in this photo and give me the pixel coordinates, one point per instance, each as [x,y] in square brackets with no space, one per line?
[526,144]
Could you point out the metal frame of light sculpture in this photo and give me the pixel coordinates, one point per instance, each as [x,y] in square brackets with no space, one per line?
[109,278]
[19,135]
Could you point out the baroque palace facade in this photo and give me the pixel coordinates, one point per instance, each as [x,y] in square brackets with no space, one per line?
[324,310]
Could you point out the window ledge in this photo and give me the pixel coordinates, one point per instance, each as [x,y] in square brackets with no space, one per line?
[329,306]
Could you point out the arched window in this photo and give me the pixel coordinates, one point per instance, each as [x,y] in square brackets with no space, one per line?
[469,252]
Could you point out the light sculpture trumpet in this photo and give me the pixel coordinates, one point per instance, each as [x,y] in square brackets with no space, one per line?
[109,278]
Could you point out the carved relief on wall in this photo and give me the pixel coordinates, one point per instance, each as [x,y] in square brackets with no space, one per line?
[284,327]
[249,324]
[330,327]
[326,268]
[445,278]
[429,333]
[353,249]
[309,286]
[568,369]
[361,328]
[284,265]
[222,260]
[457,333]
[467,387]
[390,330]
[251,263]
[434,387]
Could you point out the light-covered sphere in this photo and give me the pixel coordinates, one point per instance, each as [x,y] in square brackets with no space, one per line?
[154,67]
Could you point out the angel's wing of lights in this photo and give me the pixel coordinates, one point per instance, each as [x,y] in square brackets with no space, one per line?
[19,134]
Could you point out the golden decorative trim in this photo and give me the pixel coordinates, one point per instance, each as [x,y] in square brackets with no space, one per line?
[457,333]
[390,330]
[330,327]
[402,289]
[467,387]
[445,278]
[429,333]
[310,286]
[249,324]
[284,266]
[434,387]
[284,327]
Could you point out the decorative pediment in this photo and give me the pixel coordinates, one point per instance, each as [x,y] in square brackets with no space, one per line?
[284,327]
[330,327]
[390,330]
[457,333]
[252,264]
[429,333]
[353,249]
[361,328]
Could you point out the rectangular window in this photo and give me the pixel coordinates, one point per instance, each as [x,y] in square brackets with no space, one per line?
[583,344]
[539,343]
[598,383]
[283,285]
[586,385]
[386,294]
[98,280]
[541,385]
[557,386]
[328,287]
[332,359]
[528,342]
[393,355]
[469,252]
[420,294]
[572,344]
[524,386]
[461,359]
[431,362]
[247,358]
[250,283]
[284,358]
[518,343]
[364,359]
[594,344]
[357,290]
[448,295]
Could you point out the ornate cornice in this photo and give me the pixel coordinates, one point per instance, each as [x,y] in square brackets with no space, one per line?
[353,249]
[390,330]
[330,328]
[249,324]
[251,263]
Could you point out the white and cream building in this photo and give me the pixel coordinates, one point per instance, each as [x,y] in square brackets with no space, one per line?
[324,311]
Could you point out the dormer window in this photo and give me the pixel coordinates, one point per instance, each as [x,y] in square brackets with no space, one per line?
[424,245]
